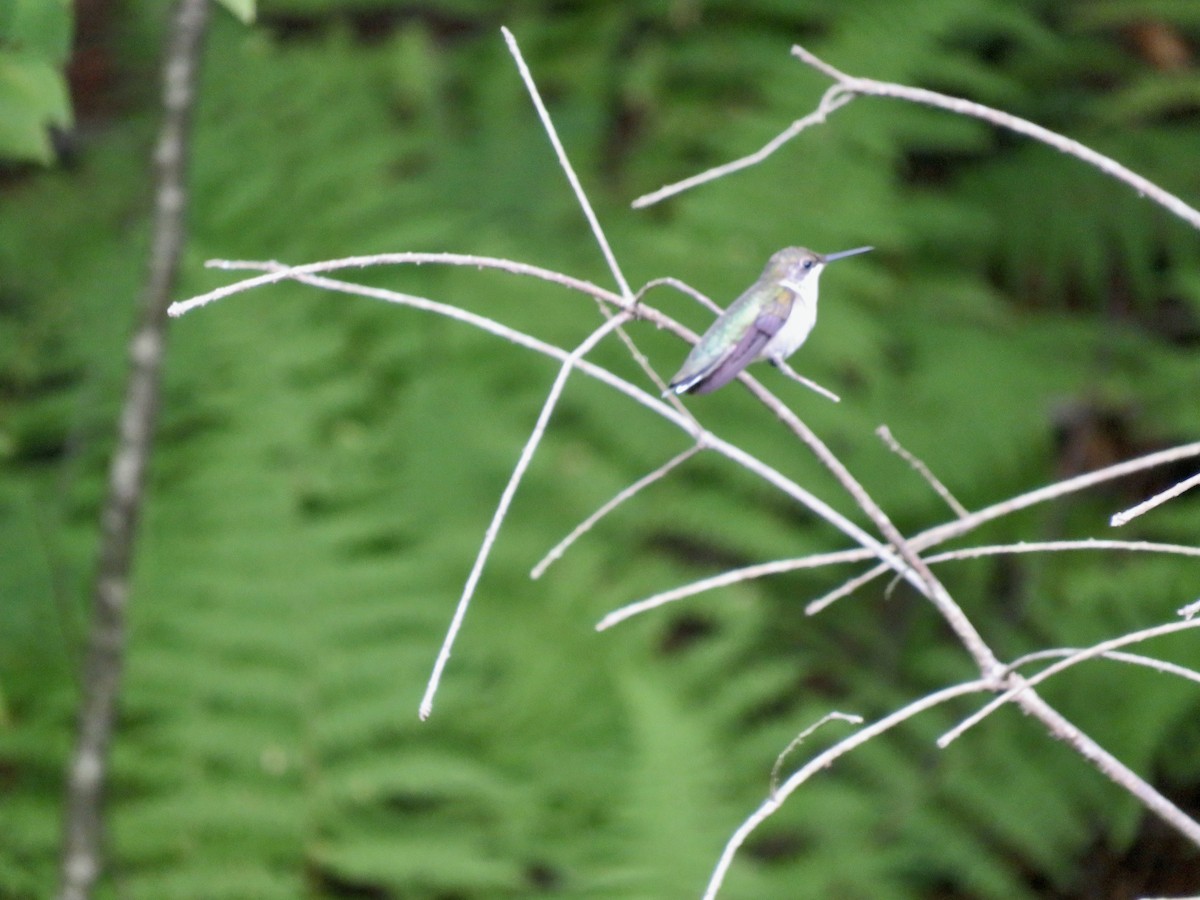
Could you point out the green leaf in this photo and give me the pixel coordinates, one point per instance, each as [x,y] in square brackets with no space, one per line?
[245,10]
[33,96]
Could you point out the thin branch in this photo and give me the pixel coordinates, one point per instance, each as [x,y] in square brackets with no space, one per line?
[83,823]
[921,469]
[510,490]
[1061,546]
[1158,665]
[587,524]
[824,760]
[845,589]
[1001,119]
[1133,512]
[565,163]
[733,576]
[833,99]
[800,739]
[277,272]
[1059,489]
[1136,659]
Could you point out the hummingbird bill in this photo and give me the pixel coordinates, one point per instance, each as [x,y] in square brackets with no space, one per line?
[769,321]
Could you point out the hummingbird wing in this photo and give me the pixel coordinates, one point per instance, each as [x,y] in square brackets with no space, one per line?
[709,371]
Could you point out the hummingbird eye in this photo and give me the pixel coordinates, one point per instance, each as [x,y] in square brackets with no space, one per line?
[808,264]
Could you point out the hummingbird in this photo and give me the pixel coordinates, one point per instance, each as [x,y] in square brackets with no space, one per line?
[769,321]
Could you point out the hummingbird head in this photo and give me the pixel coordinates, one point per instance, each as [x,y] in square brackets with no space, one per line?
[793,265]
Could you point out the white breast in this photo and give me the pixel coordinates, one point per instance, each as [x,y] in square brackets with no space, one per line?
[800,322]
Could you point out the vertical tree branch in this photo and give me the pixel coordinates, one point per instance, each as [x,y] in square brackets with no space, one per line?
[83,821]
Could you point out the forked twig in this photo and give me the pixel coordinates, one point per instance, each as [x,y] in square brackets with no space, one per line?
[802,736]
[1136,659]
[823,760]
[939,534]
[275,272]
[1073,659]
[846,87]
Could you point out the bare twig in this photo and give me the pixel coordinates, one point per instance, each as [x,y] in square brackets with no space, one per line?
[587,524]
[846,87]
[1061,546]
[565,163]
[733,576]
[801,737]
[83,825]
[510,490]
[1074,659]
[776,567]
[845,589]
[824,760]
[276,272]
[921,469]
[1133,512]
[834,99]
[1058,489]
[1001,119]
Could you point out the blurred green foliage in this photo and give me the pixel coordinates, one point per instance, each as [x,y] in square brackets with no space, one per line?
[327,466]
[35,38]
